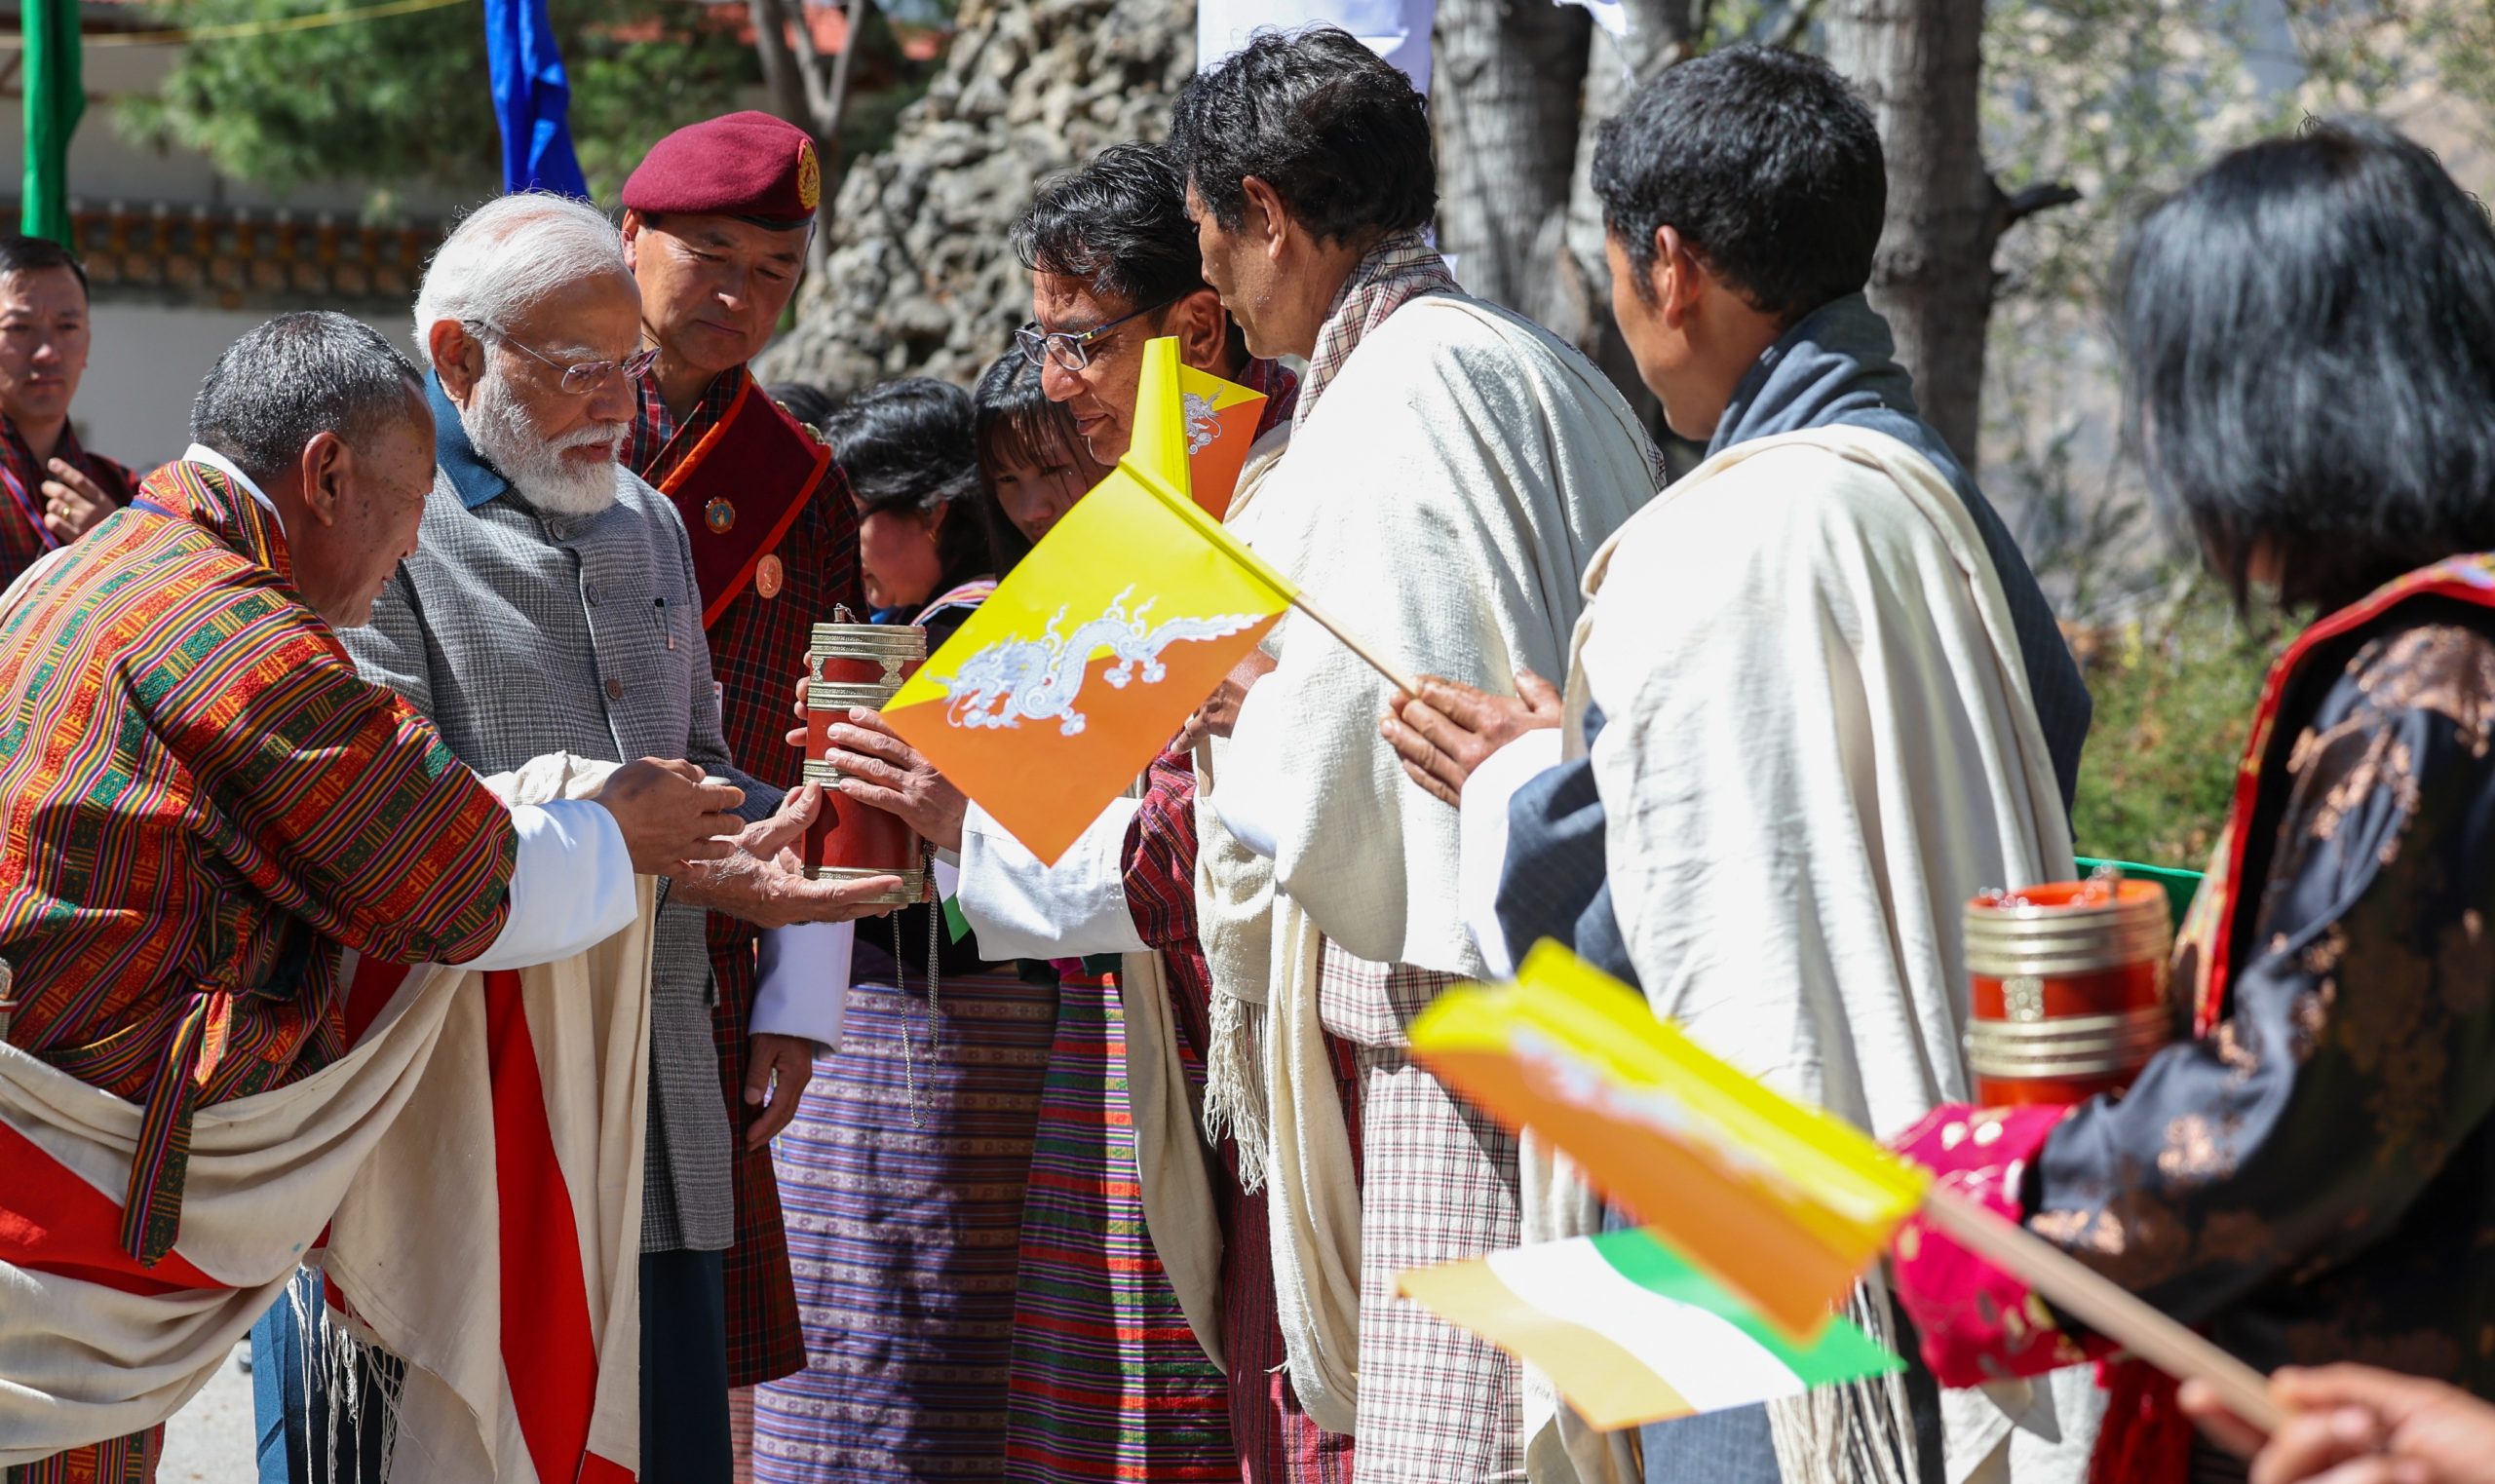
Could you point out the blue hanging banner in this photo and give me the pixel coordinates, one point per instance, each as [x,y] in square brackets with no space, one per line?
[532,99]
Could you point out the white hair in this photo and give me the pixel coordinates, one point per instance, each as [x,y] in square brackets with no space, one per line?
[508,253]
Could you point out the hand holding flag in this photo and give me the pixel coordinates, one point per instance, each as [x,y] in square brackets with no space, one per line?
[1067,681]
[1782,1205]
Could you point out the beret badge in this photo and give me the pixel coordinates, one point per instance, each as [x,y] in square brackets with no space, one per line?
[809,175]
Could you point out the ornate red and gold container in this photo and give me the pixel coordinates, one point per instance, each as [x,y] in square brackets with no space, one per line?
[2070,988]
[858,664]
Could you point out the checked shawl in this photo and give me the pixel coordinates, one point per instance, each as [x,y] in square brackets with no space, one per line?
[758,651]
[203,803]
[1399,269]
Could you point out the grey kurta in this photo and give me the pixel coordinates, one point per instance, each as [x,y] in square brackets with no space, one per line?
[519,635]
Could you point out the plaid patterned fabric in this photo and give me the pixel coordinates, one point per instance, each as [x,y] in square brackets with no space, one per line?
[1438,1184]
[1399,269]
[23,536]
[128,1460]
[1275,1443]
[203,802]
[1280,385]
[517,636]
[758,651]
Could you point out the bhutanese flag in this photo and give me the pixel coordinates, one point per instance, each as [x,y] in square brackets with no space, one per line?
[1632,1334]
[1220,420]
[1069,680]
[1783,1205]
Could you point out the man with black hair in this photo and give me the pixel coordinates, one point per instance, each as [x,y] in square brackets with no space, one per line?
[1452,469]
[1817,701]
[1114,264]
[56,489]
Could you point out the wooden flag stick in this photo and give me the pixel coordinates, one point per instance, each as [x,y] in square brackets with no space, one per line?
[1328,622]
[2106,1307]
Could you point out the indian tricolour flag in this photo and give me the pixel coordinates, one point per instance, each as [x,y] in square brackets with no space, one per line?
[1631,1334]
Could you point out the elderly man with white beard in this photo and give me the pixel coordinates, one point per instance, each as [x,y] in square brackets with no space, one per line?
[551,606]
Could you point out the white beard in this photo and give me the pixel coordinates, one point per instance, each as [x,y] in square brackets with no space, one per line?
[501,430]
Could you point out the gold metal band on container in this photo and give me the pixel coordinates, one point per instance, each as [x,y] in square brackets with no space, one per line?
[2078,1046]
[913,881]
[820,770]
[838,696]
[2001,950]
[874,642]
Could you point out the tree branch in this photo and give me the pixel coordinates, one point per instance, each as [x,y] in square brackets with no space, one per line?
[2038,198]
[1797,24]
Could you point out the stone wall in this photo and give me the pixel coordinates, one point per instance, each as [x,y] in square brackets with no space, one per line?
[920,279]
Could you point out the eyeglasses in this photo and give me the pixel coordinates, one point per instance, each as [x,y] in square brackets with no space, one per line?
[580,377]
[1072,348]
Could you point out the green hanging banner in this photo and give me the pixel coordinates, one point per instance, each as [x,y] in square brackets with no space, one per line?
[56,96]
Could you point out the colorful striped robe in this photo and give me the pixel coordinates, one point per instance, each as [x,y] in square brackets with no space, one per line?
[201,805]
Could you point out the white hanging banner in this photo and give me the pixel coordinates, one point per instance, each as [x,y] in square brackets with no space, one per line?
[1398,31]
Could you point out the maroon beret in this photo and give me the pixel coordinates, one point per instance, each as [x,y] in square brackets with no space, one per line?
[749,165]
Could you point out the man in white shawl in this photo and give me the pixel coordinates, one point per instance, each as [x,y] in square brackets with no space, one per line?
[1816,702]
[1451,468]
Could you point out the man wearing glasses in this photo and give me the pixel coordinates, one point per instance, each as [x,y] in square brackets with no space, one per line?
[1114,263]
[717,220]
[552,605]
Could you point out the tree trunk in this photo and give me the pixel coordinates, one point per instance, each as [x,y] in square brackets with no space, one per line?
[1508,77]
[780,75]
[1919,63]
[1571,290]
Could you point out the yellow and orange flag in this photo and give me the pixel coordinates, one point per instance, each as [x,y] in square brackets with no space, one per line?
[1219,420]
[1069,680]
[1781,1205]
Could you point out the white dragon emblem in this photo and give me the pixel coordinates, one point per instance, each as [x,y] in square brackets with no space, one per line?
[1204,422]
[1011,680]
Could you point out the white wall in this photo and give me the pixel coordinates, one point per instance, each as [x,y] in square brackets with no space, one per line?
[146,366]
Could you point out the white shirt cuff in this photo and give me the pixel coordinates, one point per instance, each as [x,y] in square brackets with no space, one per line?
[802,982]
[1484,836]
[572,889]
[1247,795]
[1022,909]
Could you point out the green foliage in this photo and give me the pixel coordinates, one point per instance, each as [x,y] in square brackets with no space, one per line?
[403,98]
[2175,691]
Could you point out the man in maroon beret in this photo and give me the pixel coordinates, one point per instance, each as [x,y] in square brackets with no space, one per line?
[716,226]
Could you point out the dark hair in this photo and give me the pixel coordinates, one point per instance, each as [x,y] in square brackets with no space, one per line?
[1767,163]
[1339,134]
[35,254]
[906,445]
[2308,335]
[805,401]
[294,377]
[1013,421]
[1119,223]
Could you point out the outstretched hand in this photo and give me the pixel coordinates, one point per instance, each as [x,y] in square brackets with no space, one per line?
[670,815]
[764,882]
[2355,1425]
[1450,729]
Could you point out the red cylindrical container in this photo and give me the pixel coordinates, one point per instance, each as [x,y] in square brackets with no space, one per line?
[858,664]
[2070,988]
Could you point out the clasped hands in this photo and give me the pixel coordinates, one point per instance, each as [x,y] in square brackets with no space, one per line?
[678,823]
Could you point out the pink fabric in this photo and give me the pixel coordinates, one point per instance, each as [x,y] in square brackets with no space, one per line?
[1978,1323]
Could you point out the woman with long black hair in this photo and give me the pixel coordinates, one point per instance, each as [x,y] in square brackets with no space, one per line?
[2308,331]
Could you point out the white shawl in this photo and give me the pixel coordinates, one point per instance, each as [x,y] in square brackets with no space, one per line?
[395,1141]
[1440,502]
[1818,744]
[1461,469]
